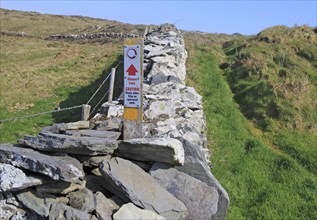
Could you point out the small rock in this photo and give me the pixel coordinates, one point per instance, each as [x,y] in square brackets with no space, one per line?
[75,125]
[130,211]
[105,207]
[60,211]
[167,150]
[83,200]
[91,161]
[55,128]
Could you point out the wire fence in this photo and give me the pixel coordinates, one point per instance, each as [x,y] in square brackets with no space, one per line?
[67,108]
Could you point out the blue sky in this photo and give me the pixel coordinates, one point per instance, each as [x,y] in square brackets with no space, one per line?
[245,17]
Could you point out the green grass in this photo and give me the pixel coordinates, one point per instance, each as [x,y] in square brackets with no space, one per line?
[262,182]
[38,75]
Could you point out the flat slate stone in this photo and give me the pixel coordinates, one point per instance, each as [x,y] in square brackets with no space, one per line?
[12,178]
[199,198]
[35,202]
[140,188]
[57,167]
[111,135]
[196,168]
[69,144]
[167,150]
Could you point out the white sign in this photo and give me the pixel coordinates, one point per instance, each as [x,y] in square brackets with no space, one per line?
[132,76]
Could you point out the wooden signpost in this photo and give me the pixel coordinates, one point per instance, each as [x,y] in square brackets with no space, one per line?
[133,88]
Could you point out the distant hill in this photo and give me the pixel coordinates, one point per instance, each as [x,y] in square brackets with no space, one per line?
[259,97]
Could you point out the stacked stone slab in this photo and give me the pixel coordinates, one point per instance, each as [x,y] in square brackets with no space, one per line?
[175,110]
[83,170]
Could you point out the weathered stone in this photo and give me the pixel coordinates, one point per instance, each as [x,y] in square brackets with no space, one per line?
[111,135]
[125,178]
[163,127]
[59,187]
[105,207]
[195,168]
[35,202]
[60,211]
[91,161]
[152,48]
[75,125]
[12,178]
[55,128]
[156,53]
[162,78]
[191,99]
[69,144]
[192,143]
[115,111]
[130,211]
[167,150]
[111,124]
[202,201]
[83,200]
[56,167]
[10,209]
[160,109]
[105,106]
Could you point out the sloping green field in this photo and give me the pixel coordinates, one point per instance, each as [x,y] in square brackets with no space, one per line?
[266,163]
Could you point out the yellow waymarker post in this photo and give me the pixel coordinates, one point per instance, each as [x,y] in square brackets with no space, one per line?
[133,88]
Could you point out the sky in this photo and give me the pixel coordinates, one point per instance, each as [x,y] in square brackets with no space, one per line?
[245,17]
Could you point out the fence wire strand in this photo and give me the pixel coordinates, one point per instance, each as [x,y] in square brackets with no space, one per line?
[98,88]
[41,113]
[99,102]
[68,108]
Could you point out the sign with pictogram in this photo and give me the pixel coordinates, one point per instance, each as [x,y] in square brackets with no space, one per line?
[132,76]
[133,88]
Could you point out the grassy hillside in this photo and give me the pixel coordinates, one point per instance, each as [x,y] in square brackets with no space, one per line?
[274,80]
[260,104]
[259,98]
[39,75]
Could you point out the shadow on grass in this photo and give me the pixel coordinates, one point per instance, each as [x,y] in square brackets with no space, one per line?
[82,95]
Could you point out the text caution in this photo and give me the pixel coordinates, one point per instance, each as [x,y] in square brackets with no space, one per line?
[132,76]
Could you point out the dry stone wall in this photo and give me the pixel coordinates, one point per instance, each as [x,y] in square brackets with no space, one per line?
[83,170]
[90,36]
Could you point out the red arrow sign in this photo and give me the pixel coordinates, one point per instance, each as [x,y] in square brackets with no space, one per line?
[132,70]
